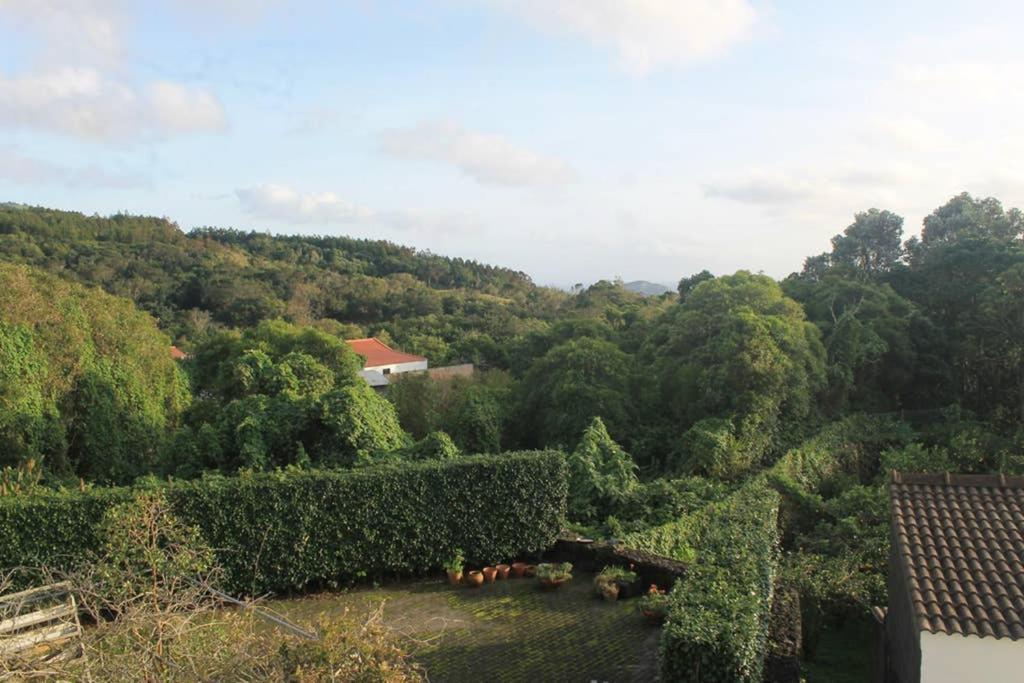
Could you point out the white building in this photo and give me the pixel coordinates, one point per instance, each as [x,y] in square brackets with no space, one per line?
[383,359]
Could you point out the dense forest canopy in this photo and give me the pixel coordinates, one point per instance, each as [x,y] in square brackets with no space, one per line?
[717,379]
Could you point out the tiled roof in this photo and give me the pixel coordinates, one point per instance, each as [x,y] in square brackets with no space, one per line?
[960,539]
[378,353]
[178,354]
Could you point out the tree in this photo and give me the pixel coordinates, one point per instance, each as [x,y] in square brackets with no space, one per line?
[737,349]
[601,474]
[356,425]
[867,331]
[568,386]
[475,419]
[964,217]
[872,244]
[87,383]
[687,284]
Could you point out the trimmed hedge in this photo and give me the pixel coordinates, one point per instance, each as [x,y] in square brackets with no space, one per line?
[673,540]
[719,611]
[286,531]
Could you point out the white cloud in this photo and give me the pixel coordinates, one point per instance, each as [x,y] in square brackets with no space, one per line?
[489,159]
[645,33]
[81,102]
[284,204]
[20,169]
[762,187]
[80,32]
[78,83]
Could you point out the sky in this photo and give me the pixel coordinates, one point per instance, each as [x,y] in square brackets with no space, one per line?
[571,139]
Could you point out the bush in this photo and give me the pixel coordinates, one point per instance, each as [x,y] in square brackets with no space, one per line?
[719,610]
[601,474]
[288,530]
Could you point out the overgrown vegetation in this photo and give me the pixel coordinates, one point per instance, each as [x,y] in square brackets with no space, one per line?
[883,353]
[150,590]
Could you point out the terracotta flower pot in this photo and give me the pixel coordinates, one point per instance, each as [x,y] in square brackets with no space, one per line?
[490,573]
[503,570]
[530,571]
[654,617]
[518,569]
[454,577]
[474,579]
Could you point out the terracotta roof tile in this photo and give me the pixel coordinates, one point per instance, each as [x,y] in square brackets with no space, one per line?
[961,543]
[378,353]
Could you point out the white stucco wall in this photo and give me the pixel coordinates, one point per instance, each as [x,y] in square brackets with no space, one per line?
[960,659]
[399,367]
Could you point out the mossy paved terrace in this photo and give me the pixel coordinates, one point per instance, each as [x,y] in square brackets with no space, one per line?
[508,631]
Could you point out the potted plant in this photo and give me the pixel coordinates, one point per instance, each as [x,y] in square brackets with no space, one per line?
[490,573]
[612,581]
[503,570]
[518,569]
[454,567]
[475,579]
[654,605]
[551,576]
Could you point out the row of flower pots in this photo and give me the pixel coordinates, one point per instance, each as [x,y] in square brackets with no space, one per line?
[550,576]
[476,578]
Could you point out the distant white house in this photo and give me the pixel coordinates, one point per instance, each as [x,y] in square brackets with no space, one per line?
[382,359]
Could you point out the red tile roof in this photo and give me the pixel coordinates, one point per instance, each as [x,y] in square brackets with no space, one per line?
[960,540]
[178,354]
[378,353]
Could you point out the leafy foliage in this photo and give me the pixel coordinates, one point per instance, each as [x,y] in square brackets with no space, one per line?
[718,615]
[291,530]
[86,381]
[601,474]
[739,367]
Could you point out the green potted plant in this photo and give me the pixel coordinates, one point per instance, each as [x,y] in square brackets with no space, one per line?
[612,580]
[454,566]
[551,576]
[654,605]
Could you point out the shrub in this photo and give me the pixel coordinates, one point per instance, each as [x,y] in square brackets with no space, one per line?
[719,610]
[554,572]
[288,530]
[674,540]
[601,474]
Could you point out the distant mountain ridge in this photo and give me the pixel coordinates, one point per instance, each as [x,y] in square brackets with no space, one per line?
[647,288]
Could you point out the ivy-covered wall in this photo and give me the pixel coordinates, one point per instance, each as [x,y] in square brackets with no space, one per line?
[287,531]
[719,610]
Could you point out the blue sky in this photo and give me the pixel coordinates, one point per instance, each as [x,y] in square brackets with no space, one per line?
[572,139]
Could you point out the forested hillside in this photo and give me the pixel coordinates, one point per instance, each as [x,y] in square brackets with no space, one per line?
[447,308]
[673,413]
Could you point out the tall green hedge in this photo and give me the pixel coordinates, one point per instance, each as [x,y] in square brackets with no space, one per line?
[719,610]
[286,531]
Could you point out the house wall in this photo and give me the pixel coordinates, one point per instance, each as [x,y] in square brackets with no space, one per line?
[903,638]
[956,659]
[396,368]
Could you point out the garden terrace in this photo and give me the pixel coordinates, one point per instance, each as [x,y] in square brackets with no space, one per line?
[509,630]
